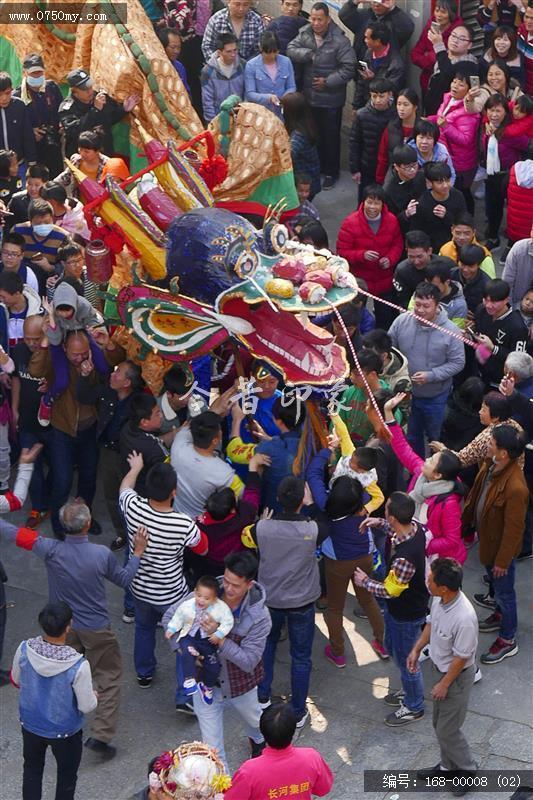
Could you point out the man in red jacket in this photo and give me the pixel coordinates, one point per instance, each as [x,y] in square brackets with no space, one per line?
[282,770]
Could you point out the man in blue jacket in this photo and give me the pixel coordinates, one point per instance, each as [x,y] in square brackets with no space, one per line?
[222,76]
[56,690]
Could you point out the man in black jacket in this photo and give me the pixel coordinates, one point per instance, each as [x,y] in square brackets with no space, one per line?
[42,98]
[412,270]
[470,275]
[85,109]
[356,19]
[404,182]
[499,329]
[382,60]
[16,132]
[112,399]
[367,129]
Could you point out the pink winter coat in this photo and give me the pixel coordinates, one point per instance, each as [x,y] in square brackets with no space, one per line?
[444,516]
[459,134]
[356,236]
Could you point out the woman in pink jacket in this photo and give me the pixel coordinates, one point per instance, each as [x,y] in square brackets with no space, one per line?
[459,132]
[434,488]
[371,241]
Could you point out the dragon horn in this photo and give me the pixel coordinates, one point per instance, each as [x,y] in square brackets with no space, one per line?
[143,133]
[78,174]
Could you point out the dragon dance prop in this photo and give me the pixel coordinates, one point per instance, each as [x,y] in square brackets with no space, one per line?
[250,167]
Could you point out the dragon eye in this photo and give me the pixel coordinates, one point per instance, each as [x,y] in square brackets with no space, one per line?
[277,237]
[246,264]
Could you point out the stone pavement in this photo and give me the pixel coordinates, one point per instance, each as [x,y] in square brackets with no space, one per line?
[346,706]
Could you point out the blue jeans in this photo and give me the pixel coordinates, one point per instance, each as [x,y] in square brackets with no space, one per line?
[210,670]
[400,637]
[211,718]
[301,627]
[503,592]
[427,416]
[66,452]
[40,484]
[147,615]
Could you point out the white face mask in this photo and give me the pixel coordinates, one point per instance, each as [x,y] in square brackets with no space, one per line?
[35,83]
[43,230]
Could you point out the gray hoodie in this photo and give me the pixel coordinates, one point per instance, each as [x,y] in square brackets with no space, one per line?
[50,660]
[85,316]
[429,350]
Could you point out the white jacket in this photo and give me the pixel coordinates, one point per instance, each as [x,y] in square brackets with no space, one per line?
[185,615]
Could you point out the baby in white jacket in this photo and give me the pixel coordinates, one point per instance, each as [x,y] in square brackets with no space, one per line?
[194,642]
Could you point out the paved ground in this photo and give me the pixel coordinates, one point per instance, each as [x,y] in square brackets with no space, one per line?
[346,707]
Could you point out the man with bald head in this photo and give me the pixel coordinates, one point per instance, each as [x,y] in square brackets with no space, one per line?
[357,18]
[26,393]
[73,425]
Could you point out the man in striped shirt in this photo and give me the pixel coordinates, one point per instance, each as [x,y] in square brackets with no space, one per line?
[159,582]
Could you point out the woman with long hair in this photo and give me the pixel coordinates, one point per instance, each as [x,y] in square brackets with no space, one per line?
[303,136]
[503,46]
[435,488]
[498,81]
[399,130]
[423,54]
[346,547]
[501,147]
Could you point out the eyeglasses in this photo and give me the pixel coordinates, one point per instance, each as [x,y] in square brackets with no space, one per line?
[441,180]
[409,167]
[459,38]
[10,254]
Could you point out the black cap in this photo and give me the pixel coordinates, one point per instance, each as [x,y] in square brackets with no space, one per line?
[33,61]
[79,79]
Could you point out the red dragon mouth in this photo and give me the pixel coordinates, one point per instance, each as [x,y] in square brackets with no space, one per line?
[301,351]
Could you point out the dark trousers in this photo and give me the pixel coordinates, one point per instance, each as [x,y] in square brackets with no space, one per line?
[147,615]
[41,479]
[301,629]
[192,59]
[111,472]
[328,124]
[463,182]
[67,452]
[495,188]
[385,315]
[210,670]
[67,753]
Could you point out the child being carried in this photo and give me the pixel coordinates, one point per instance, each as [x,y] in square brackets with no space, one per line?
[194,641]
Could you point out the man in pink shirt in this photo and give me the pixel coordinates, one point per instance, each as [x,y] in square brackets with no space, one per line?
[282,770]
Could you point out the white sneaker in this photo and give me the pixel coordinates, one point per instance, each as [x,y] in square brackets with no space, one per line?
[301,722]
[478,675]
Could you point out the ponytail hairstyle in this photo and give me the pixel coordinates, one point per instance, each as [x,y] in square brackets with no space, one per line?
[449,466]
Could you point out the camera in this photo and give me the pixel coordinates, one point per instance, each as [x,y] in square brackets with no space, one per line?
[50,135]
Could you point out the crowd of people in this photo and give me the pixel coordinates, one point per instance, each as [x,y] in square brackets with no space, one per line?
[224,527]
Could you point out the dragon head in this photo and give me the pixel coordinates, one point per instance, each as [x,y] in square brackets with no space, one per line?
[222,285]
